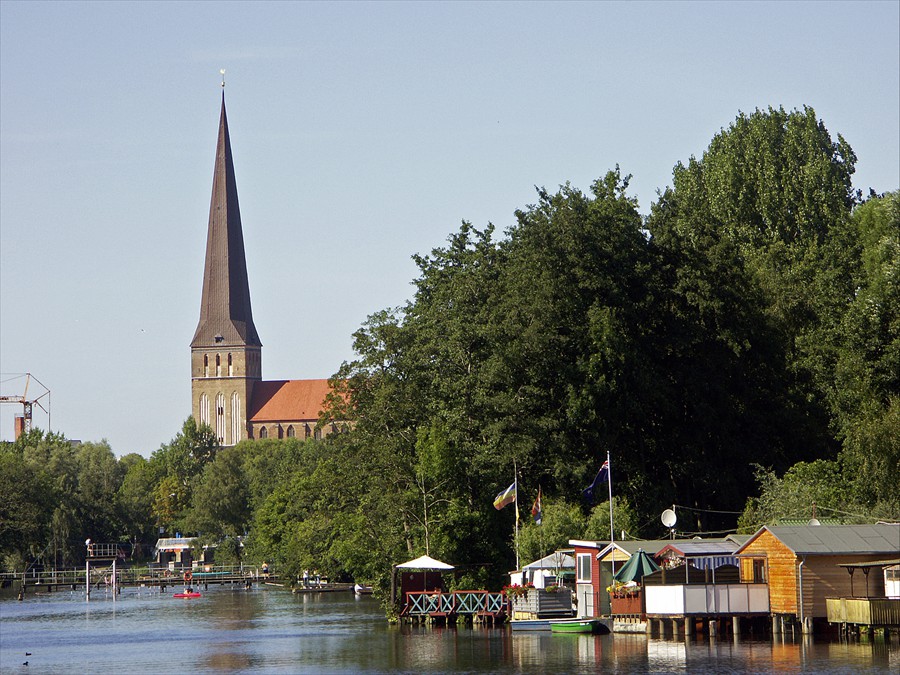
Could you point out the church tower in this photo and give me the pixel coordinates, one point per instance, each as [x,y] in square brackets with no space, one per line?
[226,353]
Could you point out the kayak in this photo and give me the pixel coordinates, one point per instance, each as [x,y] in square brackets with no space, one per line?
[192,594]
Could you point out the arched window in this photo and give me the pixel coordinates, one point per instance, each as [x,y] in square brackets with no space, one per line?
[206,365]
[279,430]
[263,433]
[204,409]
[307,431]
[218,365]
[290,431]
[236,434]
[220,417]
[230,366]
[317,434]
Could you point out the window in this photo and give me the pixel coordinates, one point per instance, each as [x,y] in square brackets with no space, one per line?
[317,434]
[290,431]
[204,409]
[307,431]
[206,365]
[218,365]
[220,416]
[263,433]
[584,568]
[236,434]
[230,366]
[753,570]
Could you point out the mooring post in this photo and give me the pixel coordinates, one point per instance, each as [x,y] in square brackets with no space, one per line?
[87,578]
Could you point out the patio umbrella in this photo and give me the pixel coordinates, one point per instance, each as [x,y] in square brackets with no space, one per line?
[637,566]
[425,563]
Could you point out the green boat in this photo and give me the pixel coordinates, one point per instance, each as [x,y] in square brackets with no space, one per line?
[578,626]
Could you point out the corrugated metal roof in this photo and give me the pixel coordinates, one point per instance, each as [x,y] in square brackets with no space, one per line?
[837,539]
[701,547]
[551,562]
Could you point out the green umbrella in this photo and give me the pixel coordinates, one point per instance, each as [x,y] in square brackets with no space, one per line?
[637,566]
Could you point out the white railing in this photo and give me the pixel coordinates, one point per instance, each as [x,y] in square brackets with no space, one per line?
[707,599]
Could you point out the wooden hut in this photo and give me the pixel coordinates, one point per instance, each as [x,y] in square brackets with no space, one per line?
[802,565]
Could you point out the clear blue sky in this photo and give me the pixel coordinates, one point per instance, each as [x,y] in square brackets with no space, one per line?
[362,133]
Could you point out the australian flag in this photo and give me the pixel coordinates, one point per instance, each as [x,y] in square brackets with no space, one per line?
[602,477]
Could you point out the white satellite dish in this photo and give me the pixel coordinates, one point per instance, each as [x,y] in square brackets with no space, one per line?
[668,518]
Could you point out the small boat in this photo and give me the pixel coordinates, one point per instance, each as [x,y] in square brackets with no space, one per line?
[362,590]
[530,624]
[578,626]
[187,593]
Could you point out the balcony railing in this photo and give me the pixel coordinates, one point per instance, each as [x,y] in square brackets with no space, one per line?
[707,599]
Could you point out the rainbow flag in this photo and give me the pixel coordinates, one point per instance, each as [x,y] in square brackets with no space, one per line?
[507,496]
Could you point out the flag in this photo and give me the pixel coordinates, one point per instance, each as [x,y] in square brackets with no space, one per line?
[507,496]
[602,477]
[536,509]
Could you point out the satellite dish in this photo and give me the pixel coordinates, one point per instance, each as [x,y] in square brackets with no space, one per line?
[814,522]
[668,518]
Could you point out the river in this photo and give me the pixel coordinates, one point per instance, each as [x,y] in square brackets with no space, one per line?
[269,630]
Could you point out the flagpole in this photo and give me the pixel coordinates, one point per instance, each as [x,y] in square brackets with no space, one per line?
[612,531]
[516,488]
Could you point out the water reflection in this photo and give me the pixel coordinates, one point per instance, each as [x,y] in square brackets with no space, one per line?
[270,631]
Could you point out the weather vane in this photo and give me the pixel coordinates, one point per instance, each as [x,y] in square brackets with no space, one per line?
[222,73]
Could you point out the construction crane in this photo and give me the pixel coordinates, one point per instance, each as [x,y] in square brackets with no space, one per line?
[23,422]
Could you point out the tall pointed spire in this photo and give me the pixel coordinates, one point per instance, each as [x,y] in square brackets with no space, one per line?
[225,315]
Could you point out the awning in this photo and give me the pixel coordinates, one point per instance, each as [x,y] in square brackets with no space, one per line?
[425,563]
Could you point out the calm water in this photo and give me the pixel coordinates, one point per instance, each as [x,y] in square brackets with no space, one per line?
[272,631]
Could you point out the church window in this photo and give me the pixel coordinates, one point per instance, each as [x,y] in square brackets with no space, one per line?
[206,365]
[230,366]
[235,416]
[204,409]
[218,365]
[279,430]
[263,433]
[307,431]
[317,434]
[290,431]
[220,417]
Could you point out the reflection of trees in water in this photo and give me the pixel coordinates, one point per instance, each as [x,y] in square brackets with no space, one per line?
[229,662]
[237,611]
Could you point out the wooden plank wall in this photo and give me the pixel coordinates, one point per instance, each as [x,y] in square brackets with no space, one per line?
[781,572]
[824,578]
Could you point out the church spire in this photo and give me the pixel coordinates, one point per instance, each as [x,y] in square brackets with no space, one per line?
[225,315]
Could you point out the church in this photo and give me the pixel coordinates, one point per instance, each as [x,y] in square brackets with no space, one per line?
[227,389]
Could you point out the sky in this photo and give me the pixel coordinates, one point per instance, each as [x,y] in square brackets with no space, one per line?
[363,133]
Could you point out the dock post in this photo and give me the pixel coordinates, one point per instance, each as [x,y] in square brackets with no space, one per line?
[674,627]
[736,625]
[87,579]
[713,627]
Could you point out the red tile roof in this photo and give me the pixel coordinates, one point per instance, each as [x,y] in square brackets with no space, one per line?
[288,400]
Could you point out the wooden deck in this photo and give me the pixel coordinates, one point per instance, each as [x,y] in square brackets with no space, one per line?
[874,612]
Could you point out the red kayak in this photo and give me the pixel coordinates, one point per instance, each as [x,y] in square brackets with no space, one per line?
[192,594]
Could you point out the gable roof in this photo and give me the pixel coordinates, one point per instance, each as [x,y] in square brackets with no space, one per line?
[288,400]
[834,539]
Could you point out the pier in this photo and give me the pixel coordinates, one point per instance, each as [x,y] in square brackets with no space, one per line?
[114,575]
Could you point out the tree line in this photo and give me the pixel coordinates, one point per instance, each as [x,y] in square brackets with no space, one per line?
[736,351]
